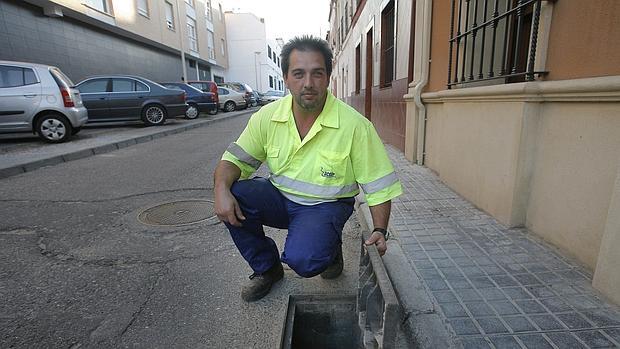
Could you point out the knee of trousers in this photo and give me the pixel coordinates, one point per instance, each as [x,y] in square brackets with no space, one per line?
[308,266]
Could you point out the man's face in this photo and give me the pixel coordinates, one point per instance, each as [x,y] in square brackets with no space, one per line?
[307,79]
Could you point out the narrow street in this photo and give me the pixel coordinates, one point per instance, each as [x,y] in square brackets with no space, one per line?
[79,270]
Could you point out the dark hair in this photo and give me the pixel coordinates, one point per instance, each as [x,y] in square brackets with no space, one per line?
[306,43]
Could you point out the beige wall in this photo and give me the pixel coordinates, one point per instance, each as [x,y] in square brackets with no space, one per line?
[474,149]
[576,161]
[607,277]
[539,154]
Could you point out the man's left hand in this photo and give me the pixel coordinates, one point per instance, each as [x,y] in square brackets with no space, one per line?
[379,240]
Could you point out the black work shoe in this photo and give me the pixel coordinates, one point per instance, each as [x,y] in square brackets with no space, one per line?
[335,269]
[260,284]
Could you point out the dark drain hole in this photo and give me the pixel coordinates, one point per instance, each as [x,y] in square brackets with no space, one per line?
[321,322]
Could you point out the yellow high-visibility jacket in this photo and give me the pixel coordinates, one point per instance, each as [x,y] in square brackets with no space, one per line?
[341,151]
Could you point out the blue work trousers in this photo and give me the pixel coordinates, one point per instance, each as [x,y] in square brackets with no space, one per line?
[314,232]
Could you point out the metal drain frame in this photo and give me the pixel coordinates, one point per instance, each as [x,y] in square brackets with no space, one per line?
[377,304]
[143,211]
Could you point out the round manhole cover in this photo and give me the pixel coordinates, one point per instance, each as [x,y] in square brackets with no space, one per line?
[178,213]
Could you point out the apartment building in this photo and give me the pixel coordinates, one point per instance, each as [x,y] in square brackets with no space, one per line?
[514,104]
[254,58]
[163,40]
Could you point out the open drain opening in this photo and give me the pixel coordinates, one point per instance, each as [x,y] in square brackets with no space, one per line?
[178,213]
[314,321]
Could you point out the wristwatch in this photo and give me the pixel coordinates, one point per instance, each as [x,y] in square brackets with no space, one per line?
[385,233]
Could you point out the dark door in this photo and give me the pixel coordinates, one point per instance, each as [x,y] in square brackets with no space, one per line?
[368,97]
[94,93]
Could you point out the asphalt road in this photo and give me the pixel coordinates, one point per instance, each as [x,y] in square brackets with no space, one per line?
[78,270]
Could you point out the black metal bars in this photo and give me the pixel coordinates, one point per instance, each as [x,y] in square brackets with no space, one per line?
[512,53]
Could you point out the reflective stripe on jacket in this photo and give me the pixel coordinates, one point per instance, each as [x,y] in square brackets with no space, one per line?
[341,151]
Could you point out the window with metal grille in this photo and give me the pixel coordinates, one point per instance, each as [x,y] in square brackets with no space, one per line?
[387,45]
[493,40]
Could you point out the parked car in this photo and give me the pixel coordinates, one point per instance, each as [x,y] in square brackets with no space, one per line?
[126,98]
[197,101]
[41,99]
[257,98]
[242,88]
[231,100]
[271,96]
[206,86]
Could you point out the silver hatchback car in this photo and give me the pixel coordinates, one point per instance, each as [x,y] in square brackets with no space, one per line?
[41,99]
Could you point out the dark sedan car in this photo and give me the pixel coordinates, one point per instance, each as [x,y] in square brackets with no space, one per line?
[127,98]
[197,100]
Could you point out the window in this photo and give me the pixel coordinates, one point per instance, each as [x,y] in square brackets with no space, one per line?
[143,7]
[270,81]
[222,91]
[122,85]
[94,86]
[208,12]
[221,13]
[218,79]
[274,58]
[223,47]
[269,51]
[191,34]
[494,45]
[358,67]
[279,66]
[210,44]
[16,76]
[128,85]
[387,45]
[169,16]
[99,5]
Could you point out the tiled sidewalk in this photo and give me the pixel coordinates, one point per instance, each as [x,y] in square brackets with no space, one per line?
[495,287]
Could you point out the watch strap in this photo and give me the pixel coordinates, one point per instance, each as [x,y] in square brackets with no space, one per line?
[383,231]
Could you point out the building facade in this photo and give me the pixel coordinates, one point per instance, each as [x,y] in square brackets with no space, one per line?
[254,58]
[160,40]
[514,104]
[371,44]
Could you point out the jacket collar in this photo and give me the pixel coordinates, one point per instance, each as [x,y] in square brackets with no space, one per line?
[329,116]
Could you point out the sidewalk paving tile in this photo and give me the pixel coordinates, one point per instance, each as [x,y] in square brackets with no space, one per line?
[495,287]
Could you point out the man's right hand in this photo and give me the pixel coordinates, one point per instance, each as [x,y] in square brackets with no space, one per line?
[227,208]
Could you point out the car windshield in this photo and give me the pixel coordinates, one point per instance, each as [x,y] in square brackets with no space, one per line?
[194,88]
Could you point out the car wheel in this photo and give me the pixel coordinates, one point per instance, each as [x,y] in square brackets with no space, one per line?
[53,128]
[230,106]
[192,112]
[154,115]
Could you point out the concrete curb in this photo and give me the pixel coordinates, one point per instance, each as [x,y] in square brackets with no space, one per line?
[422,325]
[106,148]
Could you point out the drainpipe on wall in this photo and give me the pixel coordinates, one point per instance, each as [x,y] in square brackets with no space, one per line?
[417,90]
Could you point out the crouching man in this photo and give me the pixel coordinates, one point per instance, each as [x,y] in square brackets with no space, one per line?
[319,152]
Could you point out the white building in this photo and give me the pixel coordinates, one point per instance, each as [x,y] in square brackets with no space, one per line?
[252,58]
